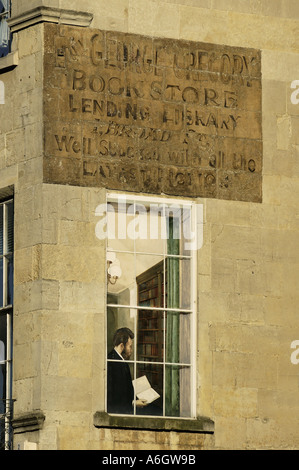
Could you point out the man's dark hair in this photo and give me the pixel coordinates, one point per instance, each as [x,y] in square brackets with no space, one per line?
[122,335]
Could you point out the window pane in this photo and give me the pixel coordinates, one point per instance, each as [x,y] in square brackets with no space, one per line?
[152,233]
[120,318]
[1,282]
[10,230]
[177,391]
[9,300]
[122,288]
[5,36]
[1,229]
[150,280]
[178,338]
[187,232]
[154,376]
[3,333]
[120,354]
[120,391]
[2,387]
[179,282]
[185,284]
[120,227]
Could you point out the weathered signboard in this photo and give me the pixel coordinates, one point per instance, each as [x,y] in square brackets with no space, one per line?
[160,116]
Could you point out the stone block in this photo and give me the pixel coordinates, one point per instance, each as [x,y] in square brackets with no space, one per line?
[26,360]
[75,359]
[27,264]
[29,41]
[161,19]
[272,189]
[251,6]
[274,97]
[192,3]
[25,389]
[250,277]
[65,393]
[273,278]
[79,296]
[214,306]
[235,402]
[291,9]
[231,433]
[235,242]
[277,404]
[289,191]
[280,65]
[29,173]
[77,233]
[15,147]
[264,433]
[281,310]
[28,298]
[62,202]
[275,8]
[2,151]
[222,275]
[295,130]
[280,245]
[284,132]
[65,262]
[245,338]
[73,437]
[27,325]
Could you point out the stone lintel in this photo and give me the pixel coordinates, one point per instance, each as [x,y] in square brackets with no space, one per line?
[201,424]
[50,15]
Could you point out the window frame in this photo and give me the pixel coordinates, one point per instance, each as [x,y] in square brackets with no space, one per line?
[6,311]
[147,200]
[4,16]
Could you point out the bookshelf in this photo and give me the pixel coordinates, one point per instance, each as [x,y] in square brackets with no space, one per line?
[150,327]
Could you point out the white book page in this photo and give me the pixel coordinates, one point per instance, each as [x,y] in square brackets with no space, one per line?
[144,391]
[148,395]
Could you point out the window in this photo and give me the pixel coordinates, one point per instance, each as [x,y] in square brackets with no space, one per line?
[5,36]
[151,276]
[6,303]
[2,93]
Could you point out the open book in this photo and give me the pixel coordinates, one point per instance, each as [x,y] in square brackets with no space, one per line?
[144,391]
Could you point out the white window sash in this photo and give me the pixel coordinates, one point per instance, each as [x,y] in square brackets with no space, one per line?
[135,199]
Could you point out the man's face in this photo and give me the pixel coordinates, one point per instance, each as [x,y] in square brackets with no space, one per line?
[127,351]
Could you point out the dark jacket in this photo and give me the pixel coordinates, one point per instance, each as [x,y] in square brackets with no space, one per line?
[120,391]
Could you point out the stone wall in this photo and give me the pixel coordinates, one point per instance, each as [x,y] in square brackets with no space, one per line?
[21,149]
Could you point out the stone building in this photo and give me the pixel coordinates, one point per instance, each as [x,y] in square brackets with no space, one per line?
[149,179]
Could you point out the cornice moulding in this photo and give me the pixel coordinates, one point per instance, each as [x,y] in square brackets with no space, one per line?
[50,15]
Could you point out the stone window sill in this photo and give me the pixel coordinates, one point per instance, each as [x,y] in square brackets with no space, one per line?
[28,422]
[198,425]
[9,62]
